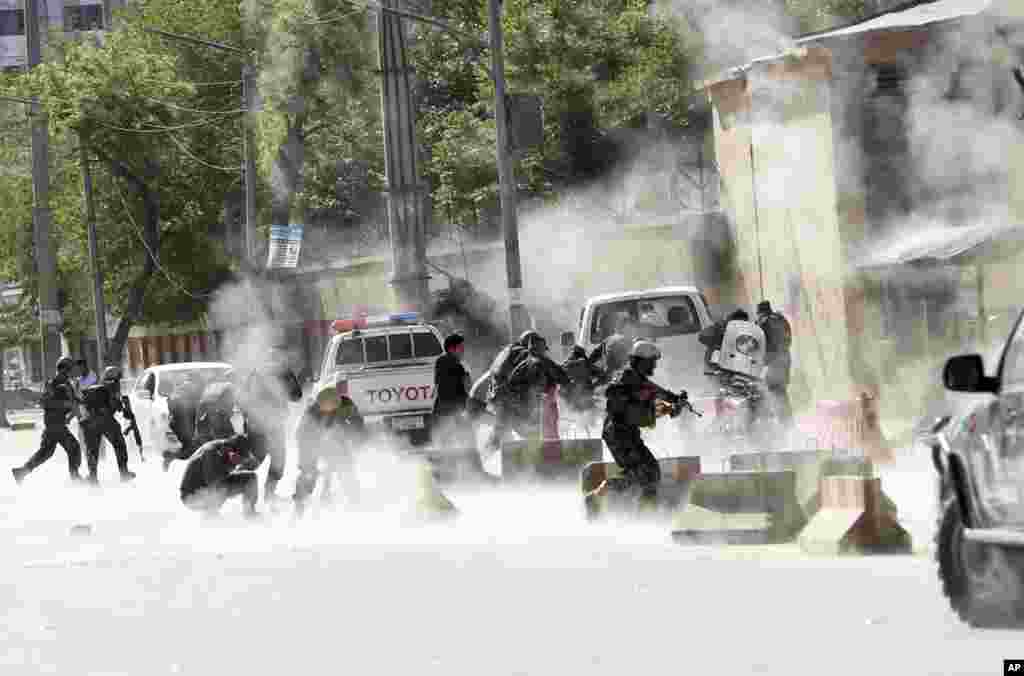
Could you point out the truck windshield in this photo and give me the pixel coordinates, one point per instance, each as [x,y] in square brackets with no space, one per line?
[647,318]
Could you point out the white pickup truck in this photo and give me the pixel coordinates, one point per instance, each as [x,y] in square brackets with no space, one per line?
[387,365]
[672,317]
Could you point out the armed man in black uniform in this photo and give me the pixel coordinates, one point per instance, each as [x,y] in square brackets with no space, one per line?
[634,401]
[58,403]
[101,402]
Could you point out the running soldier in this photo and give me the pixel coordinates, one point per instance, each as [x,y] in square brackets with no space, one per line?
[634,401]
[58,403]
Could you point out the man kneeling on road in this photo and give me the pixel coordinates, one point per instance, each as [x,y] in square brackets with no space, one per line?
[331,430]
[218,471]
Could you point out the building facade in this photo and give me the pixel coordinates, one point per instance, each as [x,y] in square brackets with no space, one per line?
[898,132]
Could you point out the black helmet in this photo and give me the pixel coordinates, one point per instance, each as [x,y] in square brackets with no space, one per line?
[527,337]
[644,357]
[532,340]
[111,374]
[65,363]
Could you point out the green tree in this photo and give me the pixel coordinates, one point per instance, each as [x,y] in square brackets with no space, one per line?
[596,66]
[167,147]
[318,88]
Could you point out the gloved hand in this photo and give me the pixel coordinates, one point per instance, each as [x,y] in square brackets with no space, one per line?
[663,408]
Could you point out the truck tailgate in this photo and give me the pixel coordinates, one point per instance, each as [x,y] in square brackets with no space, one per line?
[388,391]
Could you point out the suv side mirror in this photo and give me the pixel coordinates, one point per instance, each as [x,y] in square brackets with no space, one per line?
[568,339]
[966,373]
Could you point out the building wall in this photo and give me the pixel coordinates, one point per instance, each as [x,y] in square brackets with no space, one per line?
[774,143]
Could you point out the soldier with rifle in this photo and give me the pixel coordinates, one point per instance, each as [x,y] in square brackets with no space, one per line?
[634,401]
[101,402]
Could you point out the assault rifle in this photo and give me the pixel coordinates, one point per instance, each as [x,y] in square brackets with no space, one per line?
[679,402]
[133,426]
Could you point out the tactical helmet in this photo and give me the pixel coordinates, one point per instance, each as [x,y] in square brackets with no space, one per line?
[65,363]
[532,340]
[528,337]
[645,349]
[111,373]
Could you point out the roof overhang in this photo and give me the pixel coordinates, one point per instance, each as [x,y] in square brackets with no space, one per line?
[959,246]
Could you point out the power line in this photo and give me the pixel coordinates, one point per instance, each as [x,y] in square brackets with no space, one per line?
[152,256]
[185,109]
[186,151]
[157,129]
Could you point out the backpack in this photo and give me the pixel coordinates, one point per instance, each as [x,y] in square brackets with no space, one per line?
[504,366]
[49,395]
[96,399]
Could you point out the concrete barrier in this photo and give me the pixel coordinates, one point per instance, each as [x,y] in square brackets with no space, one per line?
[809,467]
[431,504]
[854,517]
[549,460]
[462,465]
[677,474]
[740,507]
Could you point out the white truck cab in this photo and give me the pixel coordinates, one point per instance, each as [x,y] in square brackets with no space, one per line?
[386,366]
[672,317]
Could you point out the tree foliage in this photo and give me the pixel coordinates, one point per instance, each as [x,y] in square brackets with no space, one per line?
[596,66]
[166,151]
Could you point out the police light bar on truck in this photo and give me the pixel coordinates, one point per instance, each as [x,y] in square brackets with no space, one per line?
[393,319]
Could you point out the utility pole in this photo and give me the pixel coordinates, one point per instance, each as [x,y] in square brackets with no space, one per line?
[108,13]
[519,320]
[406,213]
[94,262]
[249,159]
[249,136]
[46,265]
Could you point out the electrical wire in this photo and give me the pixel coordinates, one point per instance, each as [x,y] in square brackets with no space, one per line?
[152,256]
[334,19]
[185,109]
[222,83]
[157,129]
[181,146]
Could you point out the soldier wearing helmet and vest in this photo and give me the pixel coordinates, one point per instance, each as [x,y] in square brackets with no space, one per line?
[58,403]
[634,401]
[524,379]
[101,401]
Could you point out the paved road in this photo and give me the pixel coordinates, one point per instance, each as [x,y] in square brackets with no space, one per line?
[518,585]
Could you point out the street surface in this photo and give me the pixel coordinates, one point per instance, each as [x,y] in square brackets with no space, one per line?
[518,584]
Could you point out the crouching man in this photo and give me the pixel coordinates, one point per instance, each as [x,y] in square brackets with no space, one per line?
[330,430]
[218,471]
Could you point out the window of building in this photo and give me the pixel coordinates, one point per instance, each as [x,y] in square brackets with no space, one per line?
[12,22]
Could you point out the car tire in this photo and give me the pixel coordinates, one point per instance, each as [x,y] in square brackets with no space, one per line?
[983,583]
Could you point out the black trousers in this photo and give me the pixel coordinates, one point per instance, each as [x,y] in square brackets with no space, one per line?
[640,469]
[95,430]
[53,435]
[270,441]
[211,498]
